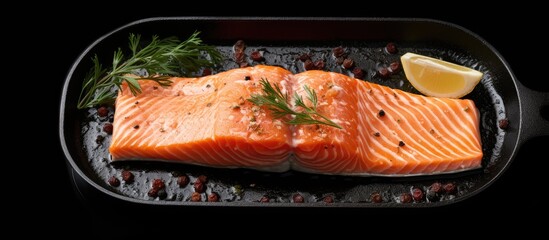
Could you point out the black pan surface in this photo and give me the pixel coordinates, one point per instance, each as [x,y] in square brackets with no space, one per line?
[498,96]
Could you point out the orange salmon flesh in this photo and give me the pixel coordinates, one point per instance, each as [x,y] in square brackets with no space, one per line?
[208,121]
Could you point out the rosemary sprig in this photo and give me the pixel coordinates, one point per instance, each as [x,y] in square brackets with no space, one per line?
[277,103]
[156,61]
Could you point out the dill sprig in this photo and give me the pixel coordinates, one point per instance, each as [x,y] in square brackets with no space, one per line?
[157,61]
[278,103]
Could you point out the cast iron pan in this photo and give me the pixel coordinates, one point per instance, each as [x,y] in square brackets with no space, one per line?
[499,96]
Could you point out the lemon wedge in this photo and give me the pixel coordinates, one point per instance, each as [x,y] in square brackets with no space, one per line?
[436,78]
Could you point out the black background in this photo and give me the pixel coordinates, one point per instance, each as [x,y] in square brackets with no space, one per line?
[514,197]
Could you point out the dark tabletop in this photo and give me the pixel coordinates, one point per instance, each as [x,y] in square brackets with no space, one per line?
[516,192]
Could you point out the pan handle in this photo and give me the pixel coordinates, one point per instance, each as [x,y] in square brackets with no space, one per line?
[532,104]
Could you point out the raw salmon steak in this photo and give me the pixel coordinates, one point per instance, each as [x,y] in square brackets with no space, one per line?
[208,121]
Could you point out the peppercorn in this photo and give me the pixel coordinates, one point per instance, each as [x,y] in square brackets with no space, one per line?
[213,197]
[348,63]
[449,188]
[162,194]
[158,184]
[203,179]
[308,64]
[102,111]
[183,180]
[239,45]
[256,56]
[199,187]
[436,187]
[127,176]
[319,64]
[358,73]
[113,181]
[107,128]
[394,67]
[298,198]
[264,199]
[391,48]
[417,194]
[383,73]
[304,57]
[381,113]
[376,198]
[153,192]
[206,72]
[405,198]
[196,197]
[328,199]
[239,57]
[504,123]
[338,51]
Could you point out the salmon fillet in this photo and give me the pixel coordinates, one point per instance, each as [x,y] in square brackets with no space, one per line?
[208,121]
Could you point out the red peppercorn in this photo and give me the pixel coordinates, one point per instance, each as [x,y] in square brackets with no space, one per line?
[450,188]
[328,199]
[183,180]
[298,198]
[256,56]
[319,64]
[358,73]
[383,73]
[239,46]
[213,197]
[244,64]
[108,128]
[206,72]
[239,57]
[436,187]
[376,198]
[196,197]
[158,184]
[264,199]
[348,63]
[127,176]
[153,192]
[504,123]
[394,67]
[199,187]
[391,48]
[308,65]
[102,111]
[203,179]
[405,198]
[304,57]
[113,181]
[417,194]
[338,51]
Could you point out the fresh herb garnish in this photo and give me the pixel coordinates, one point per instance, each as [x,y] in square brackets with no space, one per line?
[156,61]
[277,103]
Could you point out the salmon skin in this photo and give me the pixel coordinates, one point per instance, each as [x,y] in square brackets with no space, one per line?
[208,121]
